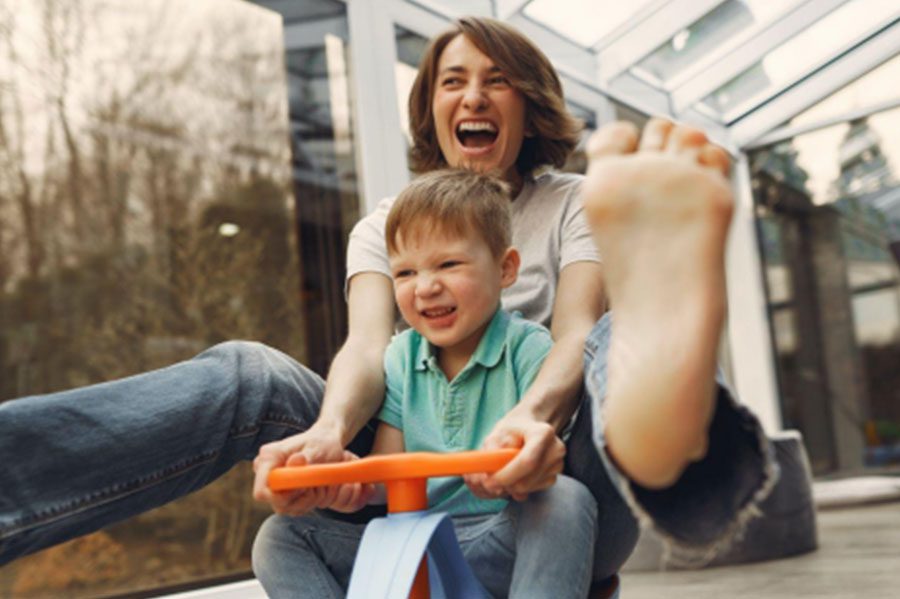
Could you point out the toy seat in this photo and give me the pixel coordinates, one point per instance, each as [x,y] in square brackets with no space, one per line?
[410,553]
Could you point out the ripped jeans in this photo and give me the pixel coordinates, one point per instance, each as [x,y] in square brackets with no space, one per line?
[78,460]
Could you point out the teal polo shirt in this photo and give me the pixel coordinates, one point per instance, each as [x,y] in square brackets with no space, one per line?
[440,415]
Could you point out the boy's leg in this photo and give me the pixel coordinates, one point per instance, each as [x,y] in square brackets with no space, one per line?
[308,556]
[78,460]
[684,455]
[541,547]
[555,542]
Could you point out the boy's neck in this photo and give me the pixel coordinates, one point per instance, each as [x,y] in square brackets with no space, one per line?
[452,362]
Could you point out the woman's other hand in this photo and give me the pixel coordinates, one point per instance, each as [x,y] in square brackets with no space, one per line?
[536,467]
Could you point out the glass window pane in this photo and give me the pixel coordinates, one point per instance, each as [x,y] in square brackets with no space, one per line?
[716,32]
[879,85]
[829,204]
[586,22]
[147,213]
[801,55]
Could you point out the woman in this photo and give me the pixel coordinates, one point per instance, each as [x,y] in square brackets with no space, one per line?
[485,98]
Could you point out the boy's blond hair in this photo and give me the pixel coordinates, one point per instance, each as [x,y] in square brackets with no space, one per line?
[456,202]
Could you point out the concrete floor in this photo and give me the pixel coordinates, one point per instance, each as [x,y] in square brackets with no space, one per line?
[858,556]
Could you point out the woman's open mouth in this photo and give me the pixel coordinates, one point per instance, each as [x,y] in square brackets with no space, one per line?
[476,135]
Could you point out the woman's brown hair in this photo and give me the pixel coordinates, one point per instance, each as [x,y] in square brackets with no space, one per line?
[553,130]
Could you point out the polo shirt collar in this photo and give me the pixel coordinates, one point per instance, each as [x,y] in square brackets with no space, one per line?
[488,353]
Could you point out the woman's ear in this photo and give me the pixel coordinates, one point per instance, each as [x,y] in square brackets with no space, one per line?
[509,267]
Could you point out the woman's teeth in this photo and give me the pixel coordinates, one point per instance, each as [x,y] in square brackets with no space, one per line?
[476,134]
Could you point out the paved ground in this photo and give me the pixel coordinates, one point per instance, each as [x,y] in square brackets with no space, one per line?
[858,556]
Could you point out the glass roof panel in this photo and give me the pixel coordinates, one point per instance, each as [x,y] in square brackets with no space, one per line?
[878,85]
[710,34]
[801,55]
[585,22]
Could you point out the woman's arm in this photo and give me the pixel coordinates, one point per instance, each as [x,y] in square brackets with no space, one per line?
[551,400]
[353,392]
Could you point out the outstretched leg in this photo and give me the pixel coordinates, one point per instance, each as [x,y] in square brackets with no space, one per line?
[660,217]
[79,460]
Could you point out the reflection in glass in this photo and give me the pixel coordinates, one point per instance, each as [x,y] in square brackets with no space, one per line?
[801,54]
[830,239]
[709,34]
[146,213]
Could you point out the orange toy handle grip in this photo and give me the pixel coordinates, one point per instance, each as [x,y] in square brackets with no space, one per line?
[385,468]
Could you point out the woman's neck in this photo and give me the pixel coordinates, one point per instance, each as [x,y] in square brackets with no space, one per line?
[516,183]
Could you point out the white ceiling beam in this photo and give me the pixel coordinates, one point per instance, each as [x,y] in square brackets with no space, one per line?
[504,9]
[456,8]
[563,52]
[417,19]
[709,77]
[840,72]
[788,131]
[647,35]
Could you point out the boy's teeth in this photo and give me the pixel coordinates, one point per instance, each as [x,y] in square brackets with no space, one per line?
[438,312]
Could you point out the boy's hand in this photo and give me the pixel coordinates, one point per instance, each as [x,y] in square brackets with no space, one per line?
[539,461]
[351,497]
[317,445]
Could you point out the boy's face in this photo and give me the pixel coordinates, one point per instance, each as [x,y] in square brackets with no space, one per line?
[448,286]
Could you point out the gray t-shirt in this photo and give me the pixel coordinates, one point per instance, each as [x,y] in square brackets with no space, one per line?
[549,230]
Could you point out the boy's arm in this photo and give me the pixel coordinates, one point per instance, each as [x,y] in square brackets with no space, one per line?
[551,400]
[388,439]
[353,392]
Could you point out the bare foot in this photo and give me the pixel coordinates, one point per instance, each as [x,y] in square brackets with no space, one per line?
[660,209]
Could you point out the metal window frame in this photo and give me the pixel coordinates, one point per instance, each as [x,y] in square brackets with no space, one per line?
[628,49]
[504,9]
[750,343]
[789,132]
[706,78]
[840,72]
[309,34]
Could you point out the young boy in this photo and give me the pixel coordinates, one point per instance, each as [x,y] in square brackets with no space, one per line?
[450,378]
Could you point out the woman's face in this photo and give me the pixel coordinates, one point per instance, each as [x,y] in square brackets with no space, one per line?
[478,115]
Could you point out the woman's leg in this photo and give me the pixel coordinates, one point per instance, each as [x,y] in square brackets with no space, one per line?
[310,556]
[701,514]
[79,460]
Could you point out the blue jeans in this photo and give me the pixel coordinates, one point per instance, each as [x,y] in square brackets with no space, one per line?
[76,461]
[539,548]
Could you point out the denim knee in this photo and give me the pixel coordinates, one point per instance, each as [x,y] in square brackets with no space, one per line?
[566,502]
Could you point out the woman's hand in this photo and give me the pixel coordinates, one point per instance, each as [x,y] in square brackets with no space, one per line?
[318,445]
[536,466]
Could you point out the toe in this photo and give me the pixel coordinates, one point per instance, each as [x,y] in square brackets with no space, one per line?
[686,141]
[613,139]
[656,134]
[716,158]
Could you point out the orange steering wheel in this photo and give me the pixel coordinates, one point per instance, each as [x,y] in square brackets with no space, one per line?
[403,473]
